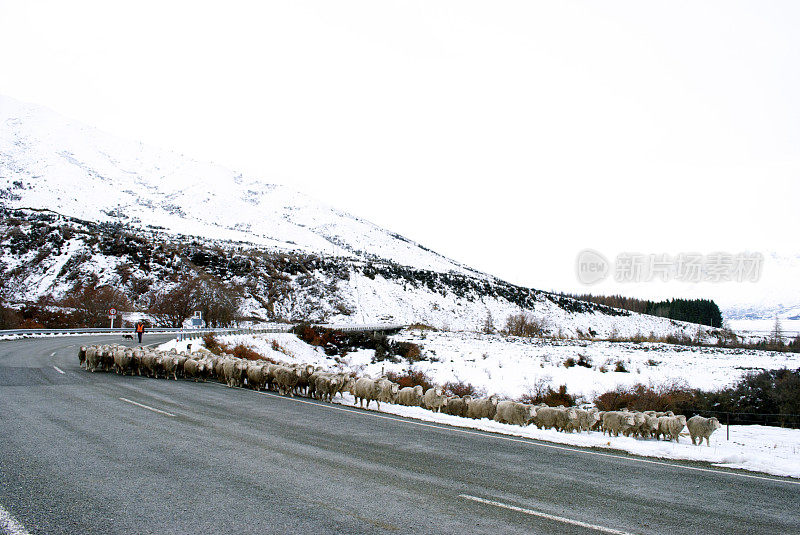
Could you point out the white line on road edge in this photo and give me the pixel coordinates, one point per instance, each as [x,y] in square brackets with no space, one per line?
[126,400]
[545,515]
[8,525]
[59,370]
[529,441]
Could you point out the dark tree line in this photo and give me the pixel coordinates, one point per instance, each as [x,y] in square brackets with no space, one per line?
[701,311]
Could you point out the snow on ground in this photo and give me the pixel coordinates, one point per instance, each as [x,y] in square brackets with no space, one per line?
[764,327]
[510,365]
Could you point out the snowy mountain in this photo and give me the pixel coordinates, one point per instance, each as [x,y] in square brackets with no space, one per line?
[82,206]
[47,161]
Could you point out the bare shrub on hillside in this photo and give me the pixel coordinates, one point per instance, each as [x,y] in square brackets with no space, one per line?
[525,324]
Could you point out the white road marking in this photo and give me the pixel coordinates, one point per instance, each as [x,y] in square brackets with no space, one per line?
[8,525]
[531,512]
[126,400]
[59,370]
[530,442]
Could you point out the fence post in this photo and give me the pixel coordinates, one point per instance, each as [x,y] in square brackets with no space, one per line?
[728,431]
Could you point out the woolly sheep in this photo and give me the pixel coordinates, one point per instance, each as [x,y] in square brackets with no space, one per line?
[301,387]
[649,427]
[511,412]
[482,408]
[389,390]
[169,363]
[410,396]
[233,372]
[107,358]
[192,367]
[639,420]
[456,406]
[92,359]
[367,389]
[617,422]
[560,418]
[256,376]
[434,399]
[671,427]
[286,378]
[586,420]
[82,355]
[327,384]
[122,360]
[149,365]
[701,428]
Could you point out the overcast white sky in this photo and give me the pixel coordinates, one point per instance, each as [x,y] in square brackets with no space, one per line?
[506,135]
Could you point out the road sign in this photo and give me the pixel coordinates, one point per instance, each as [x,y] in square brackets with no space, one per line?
[112,312]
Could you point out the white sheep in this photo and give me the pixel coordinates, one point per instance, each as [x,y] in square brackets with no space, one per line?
[617,422]
[482,408]
[560,418]
[511,412]
[256,376]
[701,428]
[286,378]
[410,397]
[389,390]
[434,399]
[456,406]
[671,427]
[366,389]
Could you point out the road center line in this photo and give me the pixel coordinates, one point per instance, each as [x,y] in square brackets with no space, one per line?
[531,512]
[59,370]
[529,441]
[8,525]
[126,400]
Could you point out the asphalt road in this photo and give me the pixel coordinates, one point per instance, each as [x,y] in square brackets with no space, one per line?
[87,453]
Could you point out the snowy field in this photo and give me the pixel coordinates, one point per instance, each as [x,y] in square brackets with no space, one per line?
[763,327]
[512,365]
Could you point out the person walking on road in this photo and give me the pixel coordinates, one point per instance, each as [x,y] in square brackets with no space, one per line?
[140,331]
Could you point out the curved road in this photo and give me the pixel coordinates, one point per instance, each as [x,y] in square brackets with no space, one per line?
[101,453]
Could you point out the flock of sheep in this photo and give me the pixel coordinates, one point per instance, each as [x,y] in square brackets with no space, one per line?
[302,379]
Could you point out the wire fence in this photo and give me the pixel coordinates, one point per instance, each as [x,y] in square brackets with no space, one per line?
[756,418]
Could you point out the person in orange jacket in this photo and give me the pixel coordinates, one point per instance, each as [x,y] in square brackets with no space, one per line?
[140,331]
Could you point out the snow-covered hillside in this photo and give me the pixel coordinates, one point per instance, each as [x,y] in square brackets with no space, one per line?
[82,206]
[47,161]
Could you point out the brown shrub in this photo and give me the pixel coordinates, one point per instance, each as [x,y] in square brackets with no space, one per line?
[422,327]
[241,351]
[550,397]
[525,324]
[673,397]
[214,345]
[461,389]
[410,378]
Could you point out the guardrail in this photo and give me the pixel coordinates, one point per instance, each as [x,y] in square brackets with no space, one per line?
[188,334]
